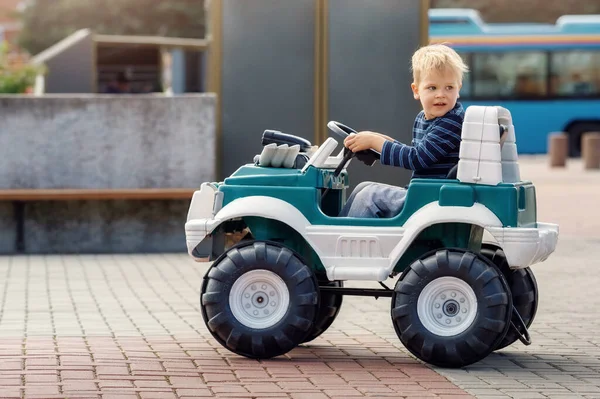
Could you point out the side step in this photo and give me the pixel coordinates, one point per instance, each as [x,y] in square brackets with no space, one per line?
[375,292]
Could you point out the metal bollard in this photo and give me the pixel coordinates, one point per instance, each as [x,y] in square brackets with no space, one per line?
[558,149]
[590,150]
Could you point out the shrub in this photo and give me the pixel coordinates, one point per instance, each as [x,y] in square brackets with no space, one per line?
[16,77]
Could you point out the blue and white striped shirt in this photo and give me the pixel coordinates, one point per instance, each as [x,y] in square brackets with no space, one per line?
[434,149]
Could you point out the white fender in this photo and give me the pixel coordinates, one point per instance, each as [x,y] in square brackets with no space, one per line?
[433,213]
[262,206]
[266,207]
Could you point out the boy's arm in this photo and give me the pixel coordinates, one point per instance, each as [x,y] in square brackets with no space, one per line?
[366,140]
[441,141]
[385,137]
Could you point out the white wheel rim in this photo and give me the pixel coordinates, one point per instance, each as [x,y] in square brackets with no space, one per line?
[447,306]
[259,299]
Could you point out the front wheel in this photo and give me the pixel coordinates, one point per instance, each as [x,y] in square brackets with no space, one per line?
[259,300]
[451,308]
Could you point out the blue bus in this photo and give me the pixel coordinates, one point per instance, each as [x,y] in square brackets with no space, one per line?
[547,75]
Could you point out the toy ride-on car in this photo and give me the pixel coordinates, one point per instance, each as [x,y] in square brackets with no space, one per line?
[281,254]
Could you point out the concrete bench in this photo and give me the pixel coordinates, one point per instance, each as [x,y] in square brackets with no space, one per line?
[75,170]
[20,196]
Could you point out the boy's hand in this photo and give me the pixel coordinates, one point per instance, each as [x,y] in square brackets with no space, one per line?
[364,141]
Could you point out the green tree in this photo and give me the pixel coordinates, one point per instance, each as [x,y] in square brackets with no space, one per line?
[46,22]
[16,79]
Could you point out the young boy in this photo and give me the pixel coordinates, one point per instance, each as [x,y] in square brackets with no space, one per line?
[437,78]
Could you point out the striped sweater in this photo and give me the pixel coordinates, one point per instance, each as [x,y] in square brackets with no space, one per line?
[434,149]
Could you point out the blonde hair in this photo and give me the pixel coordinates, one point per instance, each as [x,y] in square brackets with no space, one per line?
[437,57]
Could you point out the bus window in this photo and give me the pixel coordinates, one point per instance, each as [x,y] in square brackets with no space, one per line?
[575,73]
[465,90]
[516,74]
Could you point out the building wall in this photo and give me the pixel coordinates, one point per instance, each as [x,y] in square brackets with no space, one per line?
[269,62]
[73,70]
[370,48]
[267,74]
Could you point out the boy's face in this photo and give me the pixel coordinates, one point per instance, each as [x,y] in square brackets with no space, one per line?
[438,92]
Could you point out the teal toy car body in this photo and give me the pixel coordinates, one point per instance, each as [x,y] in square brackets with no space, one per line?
[462,248]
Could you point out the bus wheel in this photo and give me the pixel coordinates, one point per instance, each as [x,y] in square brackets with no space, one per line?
[576,132]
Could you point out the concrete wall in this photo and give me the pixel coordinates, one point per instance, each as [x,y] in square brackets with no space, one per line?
[104,142]
[107,141]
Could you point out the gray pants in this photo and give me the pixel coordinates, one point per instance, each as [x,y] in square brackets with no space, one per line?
[374,200]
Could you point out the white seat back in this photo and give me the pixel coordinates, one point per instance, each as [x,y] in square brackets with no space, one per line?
[483,159]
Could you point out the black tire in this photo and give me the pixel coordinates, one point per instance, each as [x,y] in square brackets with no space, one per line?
[463,342]
[576,132]
[329,308]
[281,273]
[523,287]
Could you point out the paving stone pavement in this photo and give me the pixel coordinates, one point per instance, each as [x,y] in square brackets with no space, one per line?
[129,326]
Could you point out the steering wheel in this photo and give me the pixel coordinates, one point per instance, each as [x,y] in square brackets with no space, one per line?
[368,157]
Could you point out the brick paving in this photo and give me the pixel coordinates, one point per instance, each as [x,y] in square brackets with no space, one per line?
[567,196]
[115,326]
[129,326]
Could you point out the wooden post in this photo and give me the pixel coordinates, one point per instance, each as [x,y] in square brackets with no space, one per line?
[558,149]
[590,150]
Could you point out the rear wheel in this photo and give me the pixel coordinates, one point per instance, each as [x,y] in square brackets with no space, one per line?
[329,308]
[259,299]
[451,308]
[523,287]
